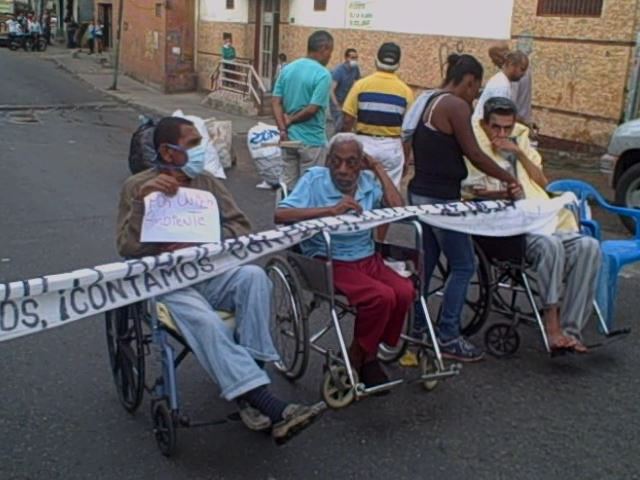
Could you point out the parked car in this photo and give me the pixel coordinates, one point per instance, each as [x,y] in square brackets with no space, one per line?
[622,164]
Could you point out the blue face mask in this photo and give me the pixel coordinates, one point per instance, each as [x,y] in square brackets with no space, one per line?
[195,160]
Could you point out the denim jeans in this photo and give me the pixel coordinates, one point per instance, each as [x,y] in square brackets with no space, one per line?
[458,250]
[228,355]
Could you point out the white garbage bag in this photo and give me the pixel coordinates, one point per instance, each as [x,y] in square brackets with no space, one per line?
[212,160]
[221,133]
[262,140]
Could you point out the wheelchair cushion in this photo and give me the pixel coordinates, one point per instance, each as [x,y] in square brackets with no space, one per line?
[502,249]
[165,318]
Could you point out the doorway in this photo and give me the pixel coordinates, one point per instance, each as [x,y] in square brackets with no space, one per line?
[269,40]
[105,14]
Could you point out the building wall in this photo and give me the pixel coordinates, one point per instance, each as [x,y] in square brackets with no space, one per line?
[580,68]
[143,40]
[423,57]
[409,16]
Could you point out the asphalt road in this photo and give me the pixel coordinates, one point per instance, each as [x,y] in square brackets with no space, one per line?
[527,418]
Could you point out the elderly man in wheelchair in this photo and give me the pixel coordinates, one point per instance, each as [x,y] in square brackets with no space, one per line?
[353,182]
[232,357]
[564,263]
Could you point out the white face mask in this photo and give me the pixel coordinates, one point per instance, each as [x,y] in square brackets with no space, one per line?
[353,63]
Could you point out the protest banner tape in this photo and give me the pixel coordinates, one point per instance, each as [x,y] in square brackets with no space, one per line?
[38,304]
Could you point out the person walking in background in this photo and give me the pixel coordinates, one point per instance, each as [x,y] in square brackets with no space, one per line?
[520,90]
[46,26]
[229,55]
[282,62]
[98,35]
[72,29]
[513,68]
[375,107]
[228,50]
[344,76]
[300,102]
[91,33]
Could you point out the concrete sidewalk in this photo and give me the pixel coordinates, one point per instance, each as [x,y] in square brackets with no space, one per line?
[96,70]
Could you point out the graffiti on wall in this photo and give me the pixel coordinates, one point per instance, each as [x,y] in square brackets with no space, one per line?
[444,50]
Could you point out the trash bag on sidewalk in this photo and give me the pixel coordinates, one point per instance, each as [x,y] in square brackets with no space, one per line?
[212,160]
[221,133]
[142,152]
[262,141]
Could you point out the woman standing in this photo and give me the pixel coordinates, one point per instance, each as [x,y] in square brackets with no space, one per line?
[441,140]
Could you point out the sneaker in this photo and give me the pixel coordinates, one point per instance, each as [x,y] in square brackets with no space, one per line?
[461,350]
[264,186]
[372,374]
[295,419]
[253,418]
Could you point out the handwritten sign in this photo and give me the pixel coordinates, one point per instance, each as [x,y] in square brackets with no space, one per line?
[191,216]
[360,14]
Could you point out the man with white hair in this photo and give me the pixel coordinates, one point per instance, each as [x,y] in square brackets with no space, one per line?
[350,183]
[376,106]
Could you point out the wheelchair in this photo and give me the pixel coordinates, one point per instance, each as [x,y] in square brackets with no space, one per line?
[302,284]
[503,285]
[131,332]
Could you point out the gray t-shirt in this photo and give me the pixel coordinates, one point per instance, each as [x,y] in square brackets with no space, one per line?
[344,76]
[521,95]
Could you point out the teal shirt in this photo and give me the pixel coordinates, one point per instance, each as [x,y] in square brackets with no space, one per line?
[316,189]
[305,82]
[228,53]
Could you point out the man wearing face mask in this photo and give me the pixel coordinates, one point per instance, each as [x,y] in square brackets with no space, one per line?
[344,76]
[233,358]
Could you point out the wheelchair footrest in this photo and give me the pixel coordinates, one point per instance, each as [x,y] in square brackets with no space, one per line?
[621,331]
[611,337]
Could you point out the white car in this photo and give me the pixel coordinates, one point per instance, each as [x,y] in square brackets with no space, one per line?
[622,164]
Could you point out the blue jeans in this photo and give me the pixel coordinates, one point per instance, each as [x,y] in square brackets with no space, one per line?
[458,250]
[228,355]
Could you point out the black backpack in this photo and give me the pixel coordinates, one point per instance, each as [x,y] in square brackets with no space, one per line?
[142,153]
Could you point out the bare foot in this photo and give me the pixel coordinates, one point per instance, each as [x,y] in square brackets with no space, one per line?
[558,341]
[578,346]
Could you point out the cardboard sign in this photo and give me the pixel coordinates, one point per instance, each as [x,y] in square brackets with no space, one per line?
[191,216]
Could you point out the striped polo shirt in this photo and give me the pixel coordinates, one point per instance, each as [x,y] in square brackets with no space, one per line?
[378,103]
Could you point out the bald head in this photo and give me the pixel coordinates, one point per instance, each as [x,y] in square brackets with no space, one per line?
[498,54]
[515,65]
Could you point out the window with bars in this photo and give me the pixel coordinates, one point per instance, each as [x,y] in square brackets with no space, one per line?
[570,8]
[231,4]
[319,5]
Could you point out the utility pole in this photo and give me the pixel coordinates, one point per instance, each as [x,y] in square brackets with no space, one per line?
[116,67]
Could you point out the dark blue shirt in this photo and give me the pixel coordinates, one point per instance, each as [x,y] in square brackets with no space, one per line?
[345,77]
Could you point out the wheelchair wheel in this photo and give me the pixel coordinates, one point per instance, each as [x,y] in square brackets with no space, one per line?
[502,340]
[164,427]
[125,343]
[428,367]
[478,302]
[289,326]
[337,391]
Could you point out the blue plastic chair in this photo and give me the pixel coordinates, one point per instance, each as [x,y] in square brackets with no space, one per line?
[616,253]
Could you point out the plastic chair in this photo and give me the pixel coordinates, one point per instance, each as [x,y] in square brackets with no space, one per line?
[616,253]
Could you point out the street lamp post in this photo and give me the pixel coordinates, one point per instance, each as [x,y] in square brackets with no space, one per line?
[116,67]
